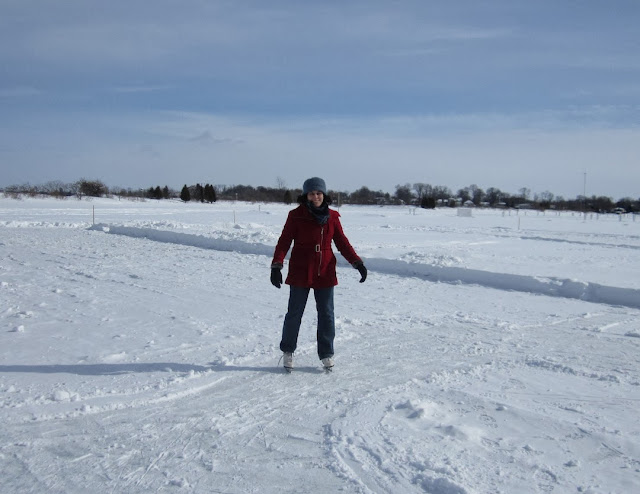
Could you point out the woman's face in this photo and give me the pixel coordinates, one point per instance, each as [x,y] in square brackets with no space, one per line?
[315,197]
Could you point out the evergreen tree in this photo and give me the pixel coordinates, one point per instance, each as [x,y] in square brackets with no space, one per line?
[165,192]
[428,203]
[209,193]
[199,196]
[288,199]
[185,195]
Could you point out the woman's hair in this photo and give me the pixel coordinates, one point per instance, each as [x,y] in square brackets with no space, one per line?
[302,199]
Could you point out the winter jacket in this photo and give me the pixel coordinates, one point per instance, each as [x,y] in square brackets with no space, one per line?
[312,263]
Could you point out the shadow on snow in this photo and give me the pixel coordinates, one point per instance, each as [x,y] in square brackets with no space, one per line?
[117,369]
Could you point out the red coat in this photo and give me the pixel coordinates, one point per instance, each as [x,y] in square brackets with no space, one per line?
[312,263]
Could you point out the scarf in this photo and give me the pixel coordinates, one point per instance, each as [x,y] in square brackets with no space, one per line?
[320,214]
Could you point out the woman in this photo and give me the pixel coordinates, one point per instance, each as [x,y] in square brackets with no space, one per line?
[311,227]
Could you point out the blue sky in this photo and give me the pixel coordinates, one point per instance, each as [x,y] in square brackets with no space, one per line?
[498,93]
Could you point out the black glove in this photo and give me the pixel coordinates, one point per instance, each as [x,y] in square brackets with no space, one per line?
[276,277]
[363,271]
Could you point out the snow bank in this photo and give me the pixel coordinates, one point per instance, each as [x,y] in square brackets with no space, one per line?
[554,287]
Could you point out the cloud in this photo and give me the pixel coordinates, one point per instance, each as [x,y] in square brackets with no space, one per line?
[362,56]
[374,92]
[207,137]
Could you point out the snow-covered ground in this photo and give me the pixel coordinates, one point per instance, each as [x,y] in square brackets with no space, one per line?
[496,353]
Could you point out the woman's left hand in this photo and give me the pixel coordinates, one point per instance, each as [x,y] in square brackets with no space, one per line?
[363,271]
[276,276]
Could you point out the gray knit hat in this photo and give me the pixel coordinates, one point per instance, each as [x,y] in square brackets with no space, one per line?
[314,183]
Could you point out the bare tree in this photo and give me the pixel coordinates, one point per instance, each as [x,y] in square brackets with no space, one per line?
[422,190]
[91,188]
[442,192]
[477,194]
[493,195]
[404,194]
[464,194]
[546,196]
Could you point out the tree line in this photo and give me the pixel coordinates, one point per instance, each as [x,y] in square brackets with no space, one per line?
[419,194]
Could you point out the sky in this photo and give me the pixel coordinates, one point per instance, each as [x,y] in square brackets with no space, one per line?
[511,94]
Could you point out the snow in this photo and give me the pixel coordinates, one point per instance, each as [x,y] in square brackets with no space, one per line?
[497,353]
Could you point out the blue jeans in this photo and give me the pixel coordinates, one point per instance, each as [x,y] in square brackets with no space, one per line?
[326,324]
